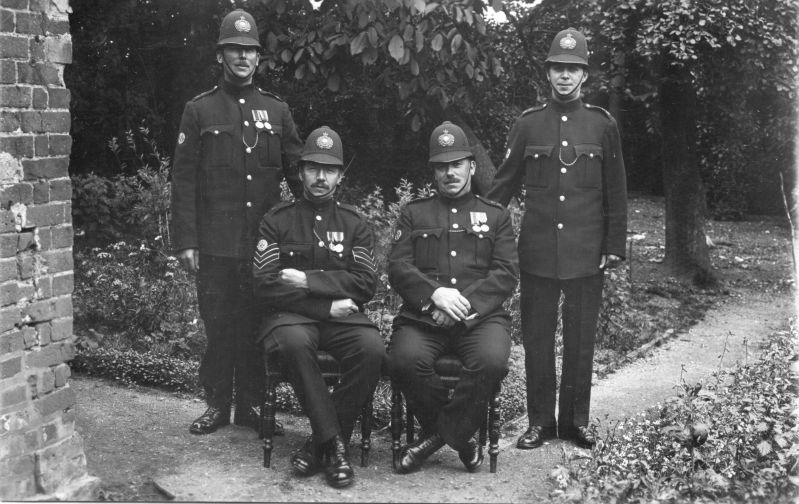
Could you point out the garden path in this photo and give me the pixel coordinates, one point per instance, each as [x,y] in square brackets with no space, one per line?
[136,439]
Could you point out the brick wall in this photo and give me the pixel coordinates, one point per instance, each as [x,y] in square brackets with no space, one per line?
[41,454]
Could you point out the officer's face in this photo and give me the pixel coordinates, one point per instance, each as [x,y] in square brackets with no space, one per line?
[320,179]
[239,63]
[454,178]
[566,80]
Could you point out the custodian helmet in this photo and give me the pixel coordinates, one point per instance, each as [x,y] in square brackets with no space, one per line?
[238,28]
[323,146]
[448,143]
[569,46]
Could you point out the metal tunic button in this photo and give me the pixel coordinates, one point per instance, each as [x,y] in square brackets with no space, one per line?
[321,244]
[216,132]
[591,155]
[318,217]
[453,253]
[241,100]
[455,226]
[454,210]
[291,253]
[563,170]
[564,118]
[560,226]
[453,281]
[564,143]
[562,197]
[246,123]
[424,235]
[535,156]
[249,177]
[248,150]
[249,204]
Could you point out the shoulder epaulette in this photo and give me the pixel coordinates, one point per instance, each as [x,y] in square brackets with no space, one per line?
[422,198]
[348,207]
[535,109]
[594,107]
[489,202]
[269,93]
[282,205]
[205,93]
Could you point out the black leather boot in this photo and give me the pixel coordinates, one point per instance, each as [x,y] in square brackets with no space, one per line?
[338,470]
[534,436]
[211,420]
[307,461]
[413,455]
[472,456]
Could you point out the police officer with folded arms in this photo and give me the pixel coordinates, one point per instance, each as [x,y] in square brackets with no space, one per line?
[454,263]
[568,156]
[314,270]
[234,143]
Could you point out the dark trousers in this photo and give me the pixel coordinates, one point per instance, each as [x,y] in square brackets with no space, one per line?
[484,351]
[228,310]
[539,306]
[360,352]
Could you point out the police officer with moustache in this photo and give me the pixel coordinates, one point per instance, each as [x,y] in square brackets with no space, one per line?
[568,155]
[234,143]
[454,263]
[314,269]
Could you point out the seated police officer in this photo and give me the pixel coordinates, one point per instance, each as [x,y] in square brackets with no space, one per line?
[314,269]
[453,262]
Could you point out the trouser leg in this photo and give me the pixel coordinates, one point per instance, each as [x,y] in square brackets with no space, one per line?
[411,356]
[360,351]
[484,351]
[249,365]
[582,300]
[539,307]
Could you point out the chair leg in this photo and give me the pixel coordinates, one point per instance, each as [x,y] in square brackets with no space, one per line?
[396,423]
[493,429]
[268,421]
[366,430]
[410,424]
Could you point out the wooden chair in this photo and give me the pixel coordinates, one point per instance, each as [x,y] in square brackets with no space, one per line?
[332,375]
[448,367]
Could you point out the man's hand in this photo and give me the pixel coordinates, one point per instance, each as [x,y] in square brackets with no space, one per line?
[442,319]
[190,259]
[293,277]
[609,261]
[342,308]
[451,302]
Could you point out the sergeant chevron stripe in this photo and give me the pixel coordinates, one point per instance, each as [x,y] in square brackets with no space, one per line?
[268,255]
[364,256]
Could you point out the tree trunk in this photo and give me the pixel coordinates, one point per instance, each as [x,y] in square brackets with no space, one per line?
[686,245]
[484,174]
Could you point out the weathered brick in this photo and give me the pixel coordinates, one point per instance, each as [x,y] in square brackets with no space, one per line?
[58,260]
[12,397]
[56,26]
[17,146]
[26,266]
[51,167]
[9,317]
[15,96]
[14,4]
[8,72]
[44,357]
[26,291]
[61,190]
[62,373]
[37,48]
[44,383]
[44,238]
[8,269]
[29,337]
[29,23]
[59,98]
[6,21]
[61,329]
[63,284]
[33,440]
[60,144]
[9,121]
[7,224]
[55,401]
[8,245]
[26,241]
[63,306]
[40,73]
[51,214]
[63,461]
[40,98]
[41,311]
[44,333]
[58,49]
[44,122]
[44,287]
[41,192]
[13,47]
[50,433]
[11,342]
[10,367]
[41,145]
[8,293]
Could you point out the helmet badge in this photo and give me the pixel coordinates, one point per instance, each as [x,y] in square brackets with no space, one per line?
[324,141]
[446,139]
[568,42]
[242,25]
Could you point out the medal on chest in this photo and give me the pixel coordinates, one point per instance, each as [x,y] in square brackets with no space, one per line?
[479,222]
[334,241]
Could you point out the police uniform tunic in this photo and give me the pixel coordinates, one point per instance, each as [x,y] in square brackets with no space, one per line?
[569,158]
[233,145]
[333,245]
[465,243]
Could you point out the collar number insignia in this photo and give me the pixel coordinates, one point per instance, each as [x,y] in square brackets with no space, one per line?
[397,235]
[446,139]
[568,42]
[324,141]
[335,238]
[242,25]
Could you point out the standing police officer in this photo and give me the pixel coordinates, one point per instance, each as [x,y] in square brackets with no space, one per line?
[454,263]
[314,270]
[233,145]
[568,155]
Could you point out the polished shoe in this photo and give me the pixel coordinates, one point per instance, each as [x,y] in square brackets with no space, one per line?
[338,470]
[534,436]
[247,415]
[307,461]
[582,436]
[413,455]
[211,420]
[472,456]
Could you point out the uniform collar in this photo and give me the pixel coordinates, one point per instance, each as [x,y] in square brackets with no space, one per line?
[318,206]
[458,202]
[561,107]
[234,90]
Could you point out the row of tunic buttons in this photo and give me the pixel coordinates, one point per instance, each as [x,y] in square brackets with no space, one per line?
[563,168]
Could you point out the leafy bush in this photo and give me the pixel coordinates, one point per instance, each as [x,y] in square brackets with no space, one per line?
[733,441]
[141,368]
